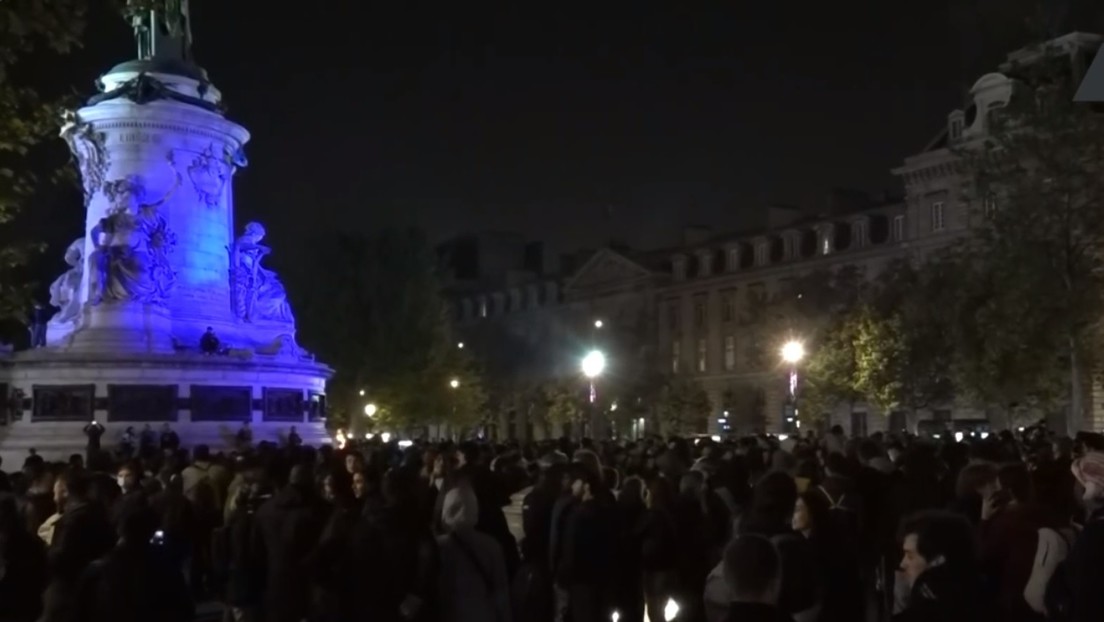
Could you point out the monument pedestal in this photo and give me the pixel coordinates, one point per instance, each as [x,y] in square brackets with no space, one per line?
[204,398]
[158,265]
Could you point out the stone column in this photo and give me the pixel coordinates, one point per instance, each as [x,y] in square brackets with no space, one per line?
[162,135]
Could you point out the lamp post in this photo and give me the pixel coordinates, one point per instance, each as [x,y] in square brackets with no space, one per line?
[792,352]
[594,363]
[454,384]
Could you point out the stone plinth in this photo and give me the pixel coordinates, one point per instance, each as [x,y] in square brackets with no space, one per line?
[204,398]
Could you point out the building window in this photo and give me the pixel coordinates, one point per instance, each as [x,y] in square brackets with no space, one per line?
[703,351]
[860,234]
[678,266]
[482,308]
[989,204]
[826,244]
[762,253]
[676,353]
[674,318]
[728,307]
[937,216]
[898,228]
[733,259]
[705,264]
[699,312]
[730,352]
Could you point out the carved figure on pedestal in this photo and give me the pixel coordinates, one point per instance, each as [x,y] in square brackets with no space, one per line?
[256,293]
[88,147]
[132,247]
[65,290]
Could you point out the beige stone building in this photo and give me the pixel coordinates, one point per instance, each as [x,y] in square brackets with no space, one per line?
[683,307]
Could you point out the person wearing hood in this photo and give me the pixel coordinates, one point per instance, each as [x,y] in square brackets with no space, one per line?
[472,581]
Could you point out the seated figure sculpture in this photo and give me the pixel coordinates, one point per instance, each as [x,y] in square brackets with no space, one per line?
[257,294]
[65,290]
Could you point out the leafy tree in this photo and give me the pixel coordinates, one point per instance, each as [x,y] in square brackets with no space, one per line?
[373,309]
[909,333]
[28,121]
[881,354]
[683,406]
[564,404]
[829,374]
[1038,191]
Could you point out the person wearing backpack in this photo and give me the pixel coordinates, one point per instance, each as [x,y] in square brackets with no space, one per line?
[1075,592]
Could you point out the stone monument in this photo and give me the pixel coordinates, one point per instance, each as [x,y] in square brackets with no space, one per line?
[158,266]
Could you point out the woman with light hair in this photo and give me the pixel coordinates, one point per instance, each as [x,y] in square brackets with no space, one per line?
[472,583]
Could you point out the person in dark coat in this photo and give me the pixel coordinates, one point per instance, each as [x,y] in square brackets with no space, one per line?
[22,566]
[289,525]
[82,535]
[938,561]
[136,581]
[753,574]
[589,550]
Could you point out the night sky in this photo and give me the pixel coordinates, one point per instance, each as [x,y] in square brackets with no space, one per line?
[541,118]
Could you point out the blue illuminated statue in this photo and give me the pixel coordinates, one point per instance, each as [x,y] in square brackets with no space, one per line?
[132,247]
[65,290]
[256,292]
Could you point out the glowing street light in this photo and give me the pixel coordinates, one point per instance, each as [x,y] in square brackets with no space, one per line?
[370,410]
[670,610]
[598,324]
[460,345]
[793,352]
[454,383]
[362,392]
[594,363]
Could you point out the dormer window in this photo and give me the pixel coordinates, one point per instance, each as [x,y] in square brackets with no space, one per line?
[956,128]
[762,253]
[732,259]
[859,233]
[705,263]
[678,267]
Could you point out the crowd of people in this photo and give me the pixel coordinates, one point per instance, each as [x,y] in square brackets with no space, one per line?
[1009,527]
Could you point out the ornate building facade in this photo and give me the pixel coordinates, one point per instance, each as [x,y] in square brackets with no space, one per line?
[685,308]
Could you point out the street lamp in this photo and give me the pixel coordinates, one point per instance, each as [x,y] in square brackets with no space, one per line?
[460,345]
[598,324]
[793,352]
[594,363]
[362,392]
[454,383]
[370,410]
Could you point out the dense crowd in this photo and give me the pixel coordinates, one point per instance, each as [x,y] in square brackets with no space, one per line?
[1009,527]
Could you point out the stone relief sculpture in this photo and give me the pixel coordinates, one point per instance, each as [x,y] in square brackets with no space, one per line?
[65,290]
[256,294]
[132,246]
[209,173]
[89,148]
